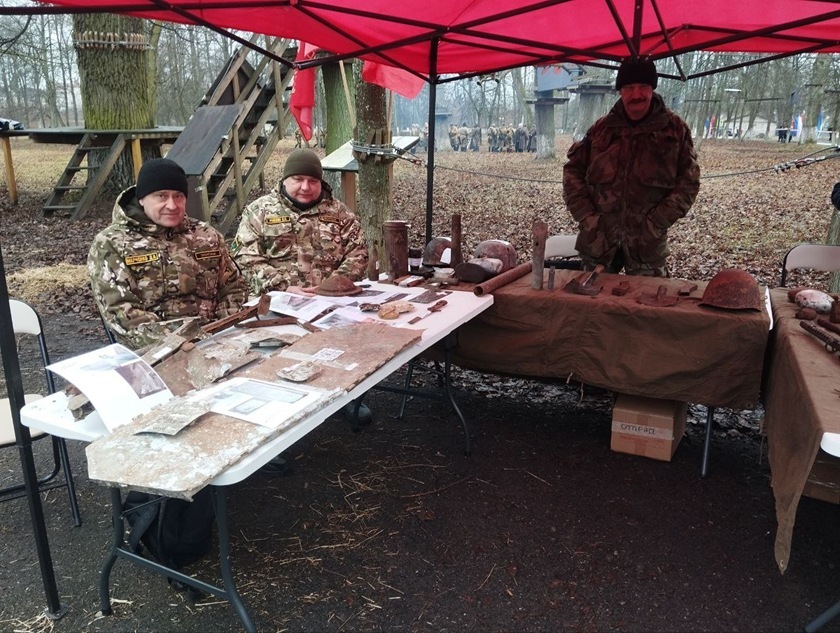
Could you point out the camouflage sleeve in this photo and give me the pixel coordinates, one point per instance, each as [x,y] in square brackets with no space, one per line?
[354,263]
[677,203]
[835,195]
[233,288]
[249,252]
[123,313]
[575,191]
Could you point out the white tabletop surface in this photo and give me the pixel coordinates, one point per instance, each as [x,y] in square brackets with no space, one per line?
[51,414]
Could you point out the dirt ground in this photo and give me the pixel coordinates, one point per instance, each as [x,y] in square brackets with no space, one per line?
[542,528]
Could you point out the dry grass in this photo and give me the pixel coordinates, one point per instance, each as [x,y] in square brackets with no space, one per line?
[32,284]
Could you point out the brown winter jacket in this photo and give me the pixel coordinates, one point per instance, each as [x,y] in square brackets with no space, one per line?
[625,184]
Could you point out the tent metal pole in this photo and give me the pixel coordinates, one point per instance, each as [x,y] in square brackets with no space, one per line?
[14,385]
[430,140]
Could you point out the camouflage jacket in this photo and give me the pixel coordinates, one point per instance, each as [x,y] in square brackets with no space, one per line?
[277,245]
[143,274]
[626,184]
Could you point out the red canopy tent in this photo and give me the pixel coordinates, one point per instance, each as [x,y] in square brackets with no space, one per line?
[442,37]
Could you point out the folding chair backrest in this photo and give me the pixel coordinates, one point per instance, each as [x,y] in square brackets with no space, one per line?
[560,246]
[822,257]
[26,321]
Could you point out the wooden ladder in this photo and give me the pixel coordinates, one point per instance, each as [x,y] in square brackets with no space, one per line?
[96,176]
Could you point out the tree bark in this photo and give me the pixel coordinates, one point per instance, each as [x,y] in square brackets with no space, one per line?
[375,205]
[116,70]
[341,114]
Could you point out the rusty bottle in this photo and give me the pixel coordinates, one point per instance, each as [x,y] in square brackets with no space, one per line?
[396,248]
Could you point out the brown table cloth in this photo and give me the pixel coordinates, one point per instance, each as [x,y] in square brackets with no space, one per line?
[801,403]
[685,352]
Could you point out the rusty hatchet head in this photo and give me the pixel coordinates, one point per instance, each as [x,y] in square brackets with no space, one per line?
[585,284]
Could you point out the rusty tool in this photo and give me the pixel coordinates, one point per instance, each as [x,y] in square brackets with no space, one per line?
[660,300]
[283,320]
[585,285]
[622,288]
[260,308]
[435,307]
[831,342]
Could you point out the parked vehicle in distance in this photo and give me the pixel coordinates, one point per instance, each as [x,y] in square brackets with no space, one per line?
[10,124]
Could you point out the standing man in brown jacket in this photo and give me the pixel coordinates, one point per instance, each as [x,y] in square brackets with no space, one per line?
[632,176]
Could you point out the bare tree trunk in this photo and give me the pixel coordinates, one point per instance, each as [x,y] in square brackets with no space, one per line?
[116,70]
[833,237]
[341,114]
[375,206]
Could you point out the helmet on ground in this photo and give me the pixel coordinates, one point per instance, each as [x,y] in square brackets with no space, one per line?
[497,249]
[438,252]
[733,289]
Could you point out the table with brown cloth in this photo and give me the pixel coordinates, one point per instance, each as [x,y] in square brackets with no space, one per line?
[684,352]
[801,403]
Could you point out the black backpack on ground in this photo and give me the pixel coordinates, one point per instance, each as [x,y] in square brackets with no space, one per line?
[175,532]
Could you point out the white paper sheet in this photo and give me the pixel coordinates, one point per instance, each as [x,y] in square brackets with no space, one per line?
[118,383]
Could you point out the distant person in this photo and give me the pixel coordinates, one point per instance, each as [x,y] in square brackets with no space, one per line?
[632,176]
[298,235]
[154,266]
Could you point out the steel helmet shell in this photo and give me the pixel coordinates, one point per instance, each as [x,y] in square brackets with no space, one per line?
[438,252]
[497,249]
[733,289]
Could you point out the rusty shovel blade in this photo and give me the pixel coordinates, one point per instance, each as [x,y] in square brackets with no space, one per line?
[660,300]
[585,284]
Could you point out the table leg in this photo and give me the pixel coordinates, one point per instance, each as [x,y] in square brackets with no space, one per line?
[119,540]
[448,346]
[227,592]
[826,616]
[707,444]
[445,382]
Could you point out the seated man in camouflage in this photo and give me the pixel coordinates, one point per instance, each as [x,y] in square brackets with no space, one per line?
[155,265]
[299,234]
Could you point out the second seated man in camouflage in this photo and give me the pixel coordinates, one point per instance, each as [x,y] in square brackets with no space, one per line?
[632,176]
[298,235]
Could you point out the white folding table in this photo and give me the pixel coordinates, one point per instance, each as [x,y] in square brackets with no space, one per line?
[53,417]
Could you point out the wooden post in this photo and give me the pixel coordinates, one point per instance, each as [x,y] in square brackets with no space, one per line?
[456,257]
[348,186]
[136,156]
[10,169]
[540,231]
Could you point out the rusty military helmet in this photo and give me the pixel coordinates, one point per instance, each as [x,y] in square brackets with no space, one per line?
[437,252]
[732,289]
[497,249]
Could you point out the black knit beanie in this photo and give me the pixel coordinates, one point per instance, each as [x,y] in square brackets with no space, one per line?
[636,71]
[303,162]
[159,174]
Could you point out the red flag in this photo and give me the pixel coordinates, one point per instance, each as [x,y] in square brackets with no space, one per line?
[396,79]
[302,101]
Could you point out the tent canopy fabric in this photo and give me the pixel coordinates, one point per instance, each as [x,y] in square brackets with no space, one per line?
[471,37]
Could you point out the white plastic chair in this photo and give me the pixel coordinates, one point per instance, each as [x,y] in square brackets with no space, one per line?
[823,257]
[26,321]
[561,249]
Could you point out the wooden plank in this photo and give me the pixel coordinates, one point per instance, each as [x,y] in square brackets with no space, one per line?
[200,140]
[180,465]
[100,178]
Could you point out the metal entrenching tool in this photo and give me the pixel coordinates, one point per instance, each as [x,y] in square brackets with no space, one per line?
[659,300]
[585,284]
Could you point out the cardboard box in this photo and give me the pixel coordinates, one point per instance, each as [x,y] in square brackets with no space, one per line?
[647,426]
[824,481]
